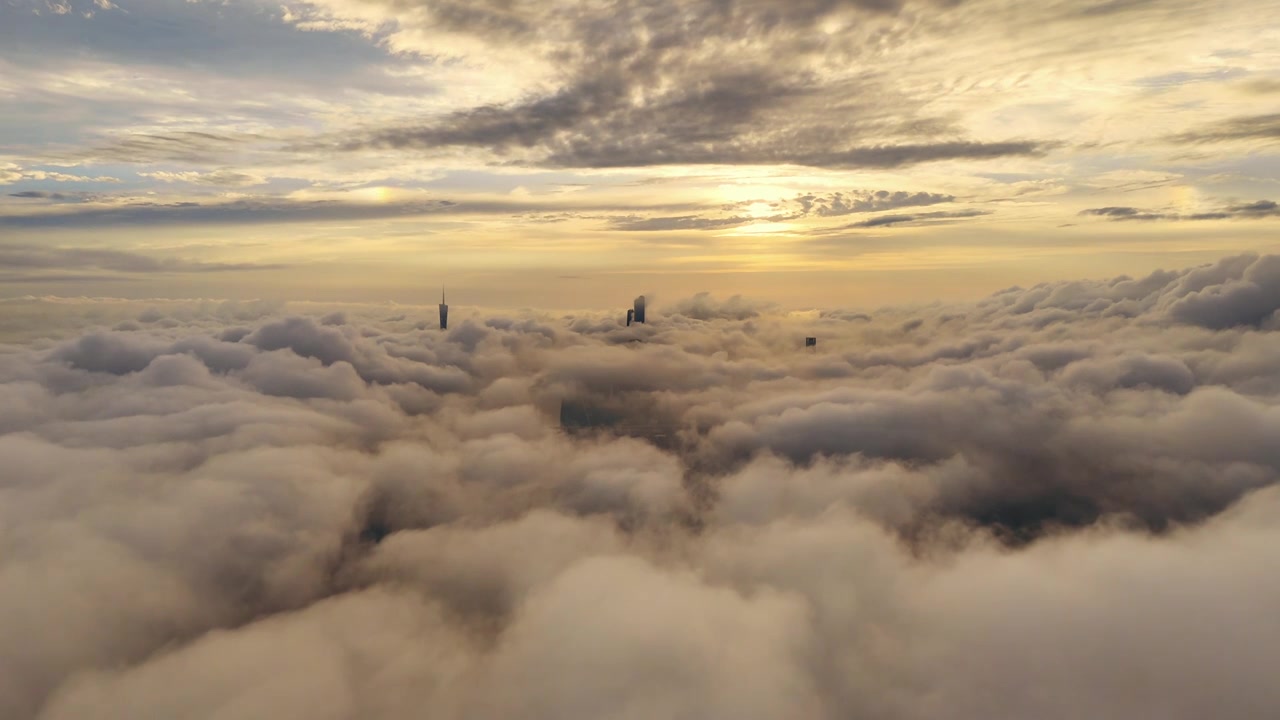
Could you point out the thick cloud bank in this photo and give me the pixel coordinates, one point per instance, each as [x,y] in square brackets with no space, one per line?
[1058,502]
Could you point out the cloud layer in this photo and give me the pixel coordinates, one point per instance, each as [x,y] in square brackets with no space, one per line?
[1059,501]
[625,132]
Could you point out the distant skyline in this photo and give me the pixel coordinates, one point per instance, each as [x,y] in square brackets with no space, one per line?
[577,154]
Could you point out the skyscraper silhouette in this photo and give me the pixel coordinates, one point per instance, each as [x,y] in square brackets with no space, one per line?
[444,312]
[631,314]
[639,309]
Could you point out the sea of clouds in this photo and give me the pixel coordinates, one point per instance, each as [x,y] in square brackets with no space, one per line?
[1058,502]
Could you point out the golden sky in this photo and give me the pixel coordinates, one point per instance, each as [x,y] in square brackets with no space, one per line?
[574,154]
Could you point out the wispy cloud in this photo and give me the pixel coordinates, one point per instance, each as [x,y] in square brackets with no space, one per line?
[33,258]
[217,178]
[1249,127]
[1258,209]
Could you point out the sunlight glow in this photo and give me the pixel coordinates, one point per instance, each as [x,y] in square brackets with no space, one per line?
[375,194]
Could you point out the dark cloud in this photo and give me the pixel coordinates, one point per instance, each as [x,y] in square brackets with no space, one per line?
[45,195]
[1114,212]
[666,83]
[242,510]
[889,156]
[1258,209]
[632,153]
[1112,7]
[912,219]
[681,222]
[500,127]
[1132,213]
[836,204]
[826,205]
[1250,127]
[1252,298]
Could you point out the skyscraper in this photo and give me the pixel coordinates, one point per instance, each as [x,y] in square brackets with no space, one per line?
[631,314]
[444,312]
[639,309]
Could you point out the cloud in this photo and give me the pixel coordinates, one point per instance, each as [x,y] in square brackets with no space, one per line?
[1247,127]
[705,307]
[11,173]
[140,212]
[1252,298]
[1112,7]
[332,512]
[1132,213]
[812,205]
[680,222]
[911,219]
[41,258]
[191,146]
[224,177]
[1261,86]
[1175,79]
[836,204]
[324,94]
[56,196]
[270,210]
[609,155]
[667,84]
[1258,209]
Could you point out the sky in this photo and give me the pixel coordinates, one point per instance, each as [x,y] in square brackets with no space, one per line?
[1059,501]
[1031,468]
[549,154]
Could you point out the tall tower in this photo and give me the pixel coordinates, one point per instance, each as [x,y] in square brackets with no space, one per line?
[639,309]
[631,315]
[444,312]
